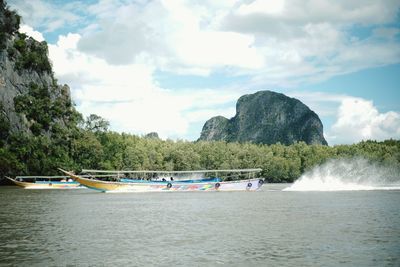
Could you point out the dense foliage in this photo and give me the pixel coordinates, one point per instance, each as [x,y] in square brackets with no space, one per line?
[42,112]
[29,54]
[9,23]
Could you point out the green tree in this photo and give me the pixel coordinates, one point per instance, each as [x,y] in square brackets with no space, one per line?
[95,123]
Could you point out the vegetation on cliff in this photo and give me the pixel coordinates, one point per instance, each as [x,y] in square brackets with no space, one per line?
[29,54]
[9,23]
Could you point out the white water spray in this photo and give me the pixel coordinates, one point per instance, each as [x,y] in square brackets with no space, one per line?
[346,175]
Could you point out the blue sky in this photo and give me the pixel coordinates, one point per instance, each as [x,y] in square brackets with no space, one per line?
[168,66]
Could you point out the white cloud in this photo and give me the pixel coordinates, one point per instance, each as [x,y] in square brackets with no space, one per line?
[302,12]
[125,95]
[262,6]
[203,115]
[355,118]
[173,39]
[211,49]
[358,119]
[31,32]
[276,42]
[324,104]
[128,96]
[46,14]
[310,41]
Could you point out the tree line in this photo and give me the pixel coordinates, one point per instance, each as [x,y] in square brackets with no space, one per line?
[90,145]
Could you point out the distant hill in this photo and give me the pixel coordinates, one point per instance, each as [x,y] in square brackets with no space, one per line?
[267,117]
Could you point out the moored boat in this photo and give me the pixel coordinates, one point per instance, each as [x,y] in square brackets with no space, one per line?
[45,182]
[250,184]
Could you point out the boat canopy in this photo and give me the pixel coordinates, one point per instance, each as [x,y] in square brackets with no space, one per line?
[57,177]
[176,172]
[149,174]
[41,177]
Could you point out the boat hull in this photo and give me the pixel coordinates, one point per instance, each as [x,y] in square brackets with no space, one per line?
[105,186]
[46,185]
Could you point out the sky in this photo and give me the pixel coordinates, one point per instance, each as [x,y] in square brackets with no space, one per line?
[167,66]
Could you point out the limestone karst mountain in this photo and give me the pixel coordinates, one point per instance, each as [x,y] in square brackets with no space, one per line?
[267,117]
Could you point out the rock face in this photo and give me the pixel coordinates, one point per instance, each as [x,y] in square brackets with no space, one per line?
[267,117]
[152,135]
[216,128]
[24,68]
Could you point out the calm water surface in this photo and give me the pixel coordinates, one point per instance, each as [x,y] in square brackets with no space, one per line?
[270,227]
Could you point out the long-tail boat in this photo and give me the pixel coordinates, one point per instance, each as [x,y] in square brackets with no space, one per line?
[249,183]
[45,182]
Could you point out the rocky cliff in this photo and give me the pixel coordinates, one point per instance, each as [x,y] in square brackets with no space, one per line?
[31,101]
[267,117]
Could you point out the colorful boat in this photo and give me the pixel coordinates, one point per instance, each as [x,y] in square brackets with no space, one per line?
[45,182]
[250,184]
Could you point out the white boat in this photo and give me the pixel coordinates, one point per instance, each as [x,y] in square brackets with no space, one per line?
[45,182]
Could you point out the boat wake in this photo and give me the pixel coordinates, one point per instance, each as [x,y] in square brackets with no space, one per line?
[348,175]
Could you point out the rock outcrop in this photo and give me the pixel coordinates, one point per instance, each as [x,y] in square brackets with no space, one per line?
[216,128]
[152,135]
[26,79]
[267,117]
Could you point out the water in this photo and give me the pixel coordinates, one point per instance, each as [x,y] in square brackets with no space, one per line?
[266,228]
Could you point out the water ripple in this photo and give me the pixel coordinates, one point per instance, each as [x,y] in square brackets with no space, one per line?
[270,227]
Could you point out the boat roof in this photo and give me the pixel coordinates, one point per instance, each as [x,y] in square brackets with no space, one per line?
[54,177]
[168,172]
[41,176]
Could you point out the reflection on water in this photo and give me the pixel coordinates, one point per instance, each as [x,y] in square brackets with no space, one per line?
[270,227]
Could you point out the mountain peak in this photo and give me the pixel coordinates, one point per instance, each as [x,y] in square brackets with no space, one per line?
[267,117]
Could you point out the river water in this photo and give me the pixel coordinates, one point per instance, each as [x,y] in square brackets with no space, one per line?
[271,227]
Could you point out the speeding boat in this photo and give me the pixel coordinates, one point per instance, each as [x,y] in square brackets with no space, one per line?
[249,184]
